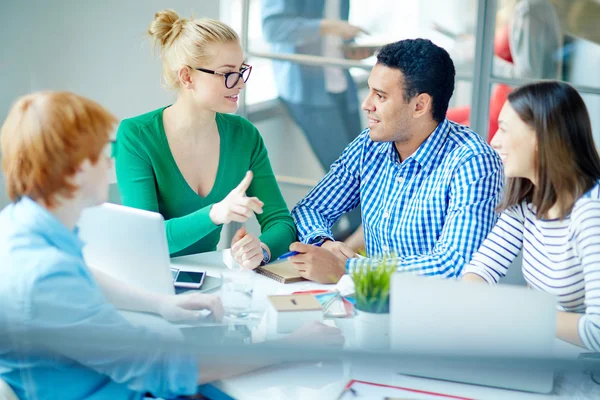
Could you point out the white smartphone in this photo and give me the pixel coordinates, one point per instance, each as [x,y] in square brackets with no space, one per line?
[187,279]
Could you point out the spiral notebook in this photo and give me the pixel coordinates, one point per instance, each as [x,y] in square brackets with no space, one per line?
[281,271]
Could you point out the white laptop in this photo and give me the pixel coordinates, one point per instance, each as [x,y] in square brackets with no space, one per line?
[128,244]
[131,245]
[450,318]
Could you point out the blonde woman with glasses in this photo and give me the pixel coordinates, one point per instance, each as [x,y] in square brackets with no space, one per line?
[194,162]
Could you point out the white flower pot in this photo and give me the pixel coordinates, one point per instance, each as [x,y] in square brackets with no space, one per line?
[372,331]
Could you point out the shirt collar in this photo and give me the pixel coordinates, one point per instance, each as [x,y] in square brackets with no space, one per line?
[426,151]
[40,221]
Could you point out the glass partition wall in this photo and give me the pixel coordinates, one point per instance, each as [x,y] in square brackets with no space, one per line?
[301,70]
[495,44]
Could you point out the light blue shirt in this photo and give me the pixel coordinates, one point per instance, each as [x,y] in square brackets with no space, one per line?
[430,212]
[59,337]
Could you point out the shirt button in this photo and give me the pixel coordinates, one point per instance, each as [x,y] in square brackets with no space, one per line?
[385,248]
[400,179]
[386,214]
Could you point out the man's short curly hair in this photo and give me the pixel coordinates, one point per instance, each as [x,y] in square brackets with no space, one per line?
[427,68]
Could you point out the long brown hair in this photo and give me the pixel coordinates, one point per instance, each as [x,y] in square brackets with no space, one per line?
[567,163]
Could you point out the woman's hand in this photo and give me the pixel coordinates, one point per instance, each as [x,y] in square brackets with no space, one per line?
[236,206]
[246,249]
[190,307]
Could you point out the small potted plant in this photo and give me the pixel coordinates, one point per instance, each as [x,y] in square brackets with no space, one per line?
[372,291]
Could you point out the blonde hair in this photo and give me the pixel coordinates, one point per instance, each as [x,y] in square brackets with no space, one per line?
[185,41]
[44,139]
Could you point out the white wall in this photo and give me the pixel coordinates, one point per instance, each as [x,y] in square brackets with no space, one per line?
[96,48]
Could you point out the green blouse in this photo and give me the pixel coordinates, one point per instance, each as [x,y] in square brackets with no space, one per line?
[149,178]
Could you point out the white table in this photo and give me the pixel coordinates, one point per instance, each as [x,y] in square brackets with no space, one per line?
[215,264]
[326,380]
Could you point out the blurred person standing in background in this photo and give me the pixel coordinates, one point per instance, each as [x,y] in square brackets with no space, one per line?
[323,101]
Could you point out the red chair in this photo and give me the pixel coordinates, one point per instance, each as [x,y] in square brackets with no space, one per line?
[462,114]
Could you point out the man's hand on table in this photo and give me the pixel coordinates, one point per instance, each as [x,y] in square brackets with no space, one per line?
[318,263]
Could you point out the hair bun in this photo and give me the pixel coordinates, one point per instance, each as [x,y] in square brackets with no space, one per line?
[166,27]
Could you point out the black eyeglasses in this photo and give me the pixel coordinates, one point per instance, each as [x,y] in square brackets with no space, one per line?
[231,78]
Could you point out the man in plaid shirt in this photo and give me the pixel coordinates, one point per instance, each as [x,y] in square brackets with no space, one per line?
[428,187]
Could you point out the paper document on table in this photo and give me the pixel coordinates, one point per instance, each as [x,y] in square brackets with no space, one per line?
[367,390]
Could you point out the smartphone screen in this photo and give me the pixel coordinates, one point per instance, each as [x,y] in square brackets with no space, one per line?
[190,277]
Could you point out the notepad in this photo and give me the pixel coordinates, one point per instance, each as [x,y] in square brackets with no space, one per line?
[281,271]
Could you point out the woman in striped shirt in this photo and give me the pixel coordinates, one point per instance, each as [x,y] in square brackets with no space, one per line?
[551,206]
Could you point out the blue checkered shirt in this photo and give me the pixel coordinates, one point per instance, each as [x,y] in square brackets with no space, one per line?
[428,214]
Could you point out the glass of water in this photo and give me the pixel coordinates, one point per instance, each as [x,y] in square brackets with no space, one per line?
[237,293]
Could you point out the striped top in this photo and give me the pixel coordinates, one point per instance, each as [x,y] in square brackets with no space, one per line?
[559,257]
[430,212]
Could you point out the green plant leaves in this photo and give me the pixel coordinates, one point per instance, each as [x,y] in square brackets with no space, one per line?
[372,286]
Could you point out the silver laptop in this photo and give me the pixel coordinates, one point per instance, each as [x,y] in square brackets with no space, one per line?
[449,318]
[128,244]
